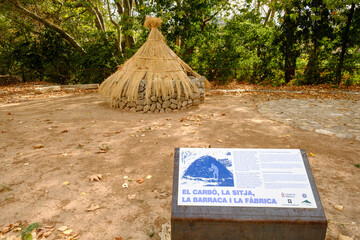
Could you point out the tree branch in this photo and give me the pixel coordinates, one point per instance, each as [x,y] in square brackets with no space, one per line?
[100,18]
[110,14]
[117,26]
[48,24]
[119,8]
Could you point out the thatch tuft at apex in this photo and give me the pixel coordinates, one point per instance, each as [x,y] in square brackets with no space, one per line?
[155,79]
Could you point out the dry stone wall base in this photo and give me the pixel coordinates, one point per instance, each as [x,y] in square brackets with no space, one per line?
[162,104]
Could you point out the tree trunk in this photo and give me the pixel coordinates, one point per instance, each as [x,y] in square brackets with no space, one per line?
[289,42]
[118,40]
[99,20]
[117,26]
[60,31]
[178,41]
[270,14]
[290,63]
[127,27]
[344,44]
[312,72]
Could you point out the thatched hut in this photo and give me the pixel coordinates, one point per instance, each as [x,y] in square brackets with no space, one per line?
[155,79]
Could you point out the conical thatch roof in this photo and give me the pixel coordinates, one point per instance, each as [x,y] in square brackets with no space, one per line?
[165,73]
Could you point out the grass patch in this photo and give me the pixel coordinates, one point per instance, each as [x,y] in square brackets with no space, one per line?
[5,188]
[151,233]
[104,148]
[26,232]
[357,165]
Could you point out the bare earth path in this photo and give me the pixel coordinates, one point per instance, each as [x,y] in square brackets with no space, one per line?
[71,130]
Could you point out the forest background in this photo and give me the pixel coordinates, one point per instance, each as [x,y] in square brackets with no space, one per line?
[261,41]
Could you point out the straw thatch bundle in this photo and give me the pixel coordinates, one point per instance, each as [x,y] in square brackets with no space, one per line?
[155,63]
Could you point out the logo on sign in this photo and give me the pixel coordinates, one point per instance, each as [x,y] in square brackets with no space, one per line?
[288,195]
[304,195]
[306,202]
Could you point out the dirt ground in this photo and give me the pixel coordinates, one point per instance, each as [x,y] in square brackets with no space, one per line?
[49,146]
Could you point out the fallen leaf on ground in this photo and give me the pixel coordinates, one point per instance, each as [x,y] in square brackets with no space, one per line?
[83,194]
[62,228]
[26,164]
[339,207]
[66,183]
[311,154]
[125,177]
[148,177]
[64,131]
[343,237]
[220,141]
[93,207]
[7,228]
[162,195]
[38,146]
[74,237]
[118,238]
[283,136]
[139,180]
[68,232]
[44,231]
[95,177]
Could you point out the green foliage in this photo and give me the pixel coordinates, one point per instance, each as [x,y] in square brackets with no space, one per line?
[99,62]
[26,233]
[267,42]
[5,188]
[241,49]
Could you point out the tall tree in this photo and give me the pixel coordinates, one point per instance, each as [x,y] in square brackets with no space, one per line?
[316,26]
[345,42]
[289,37]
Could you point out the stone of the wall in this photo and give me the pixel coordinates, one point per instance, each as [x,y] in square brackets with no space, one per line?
[170,103]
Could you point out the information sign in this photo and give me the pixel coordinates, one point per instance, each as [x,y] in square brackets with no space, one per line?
[243,178]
